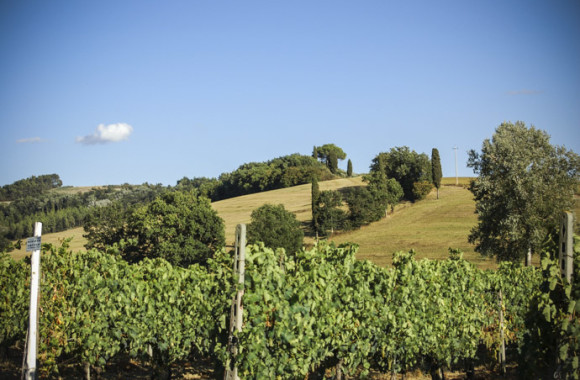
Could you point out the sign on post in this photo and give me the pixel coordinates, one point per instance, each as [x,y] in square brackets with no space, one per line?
[33,244]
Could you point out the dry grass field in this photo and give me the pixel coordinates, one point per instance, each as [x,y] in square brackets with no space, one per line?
[430,226]
[77,243]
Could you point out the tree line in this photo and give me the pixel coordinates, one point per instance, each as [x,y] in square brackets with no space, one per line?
[29,187]
[254,177]
[60,211]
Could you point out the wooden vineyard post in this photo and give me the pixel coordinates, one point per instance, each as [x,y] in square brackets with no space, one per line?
[33,244]
[501,335]
[237,312]
[566,246]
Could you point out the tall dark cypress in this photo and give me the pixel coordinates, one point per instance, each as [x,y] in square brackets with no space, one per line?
[349,168]
[315,195]
[436,169]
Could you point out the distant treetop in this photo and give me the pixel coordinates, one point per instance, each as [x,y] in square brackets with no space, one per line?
[329,154]
[31,186]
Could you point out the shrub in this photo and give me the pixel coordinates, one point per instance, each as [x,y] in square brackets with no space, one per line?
[276,228]
[421,189]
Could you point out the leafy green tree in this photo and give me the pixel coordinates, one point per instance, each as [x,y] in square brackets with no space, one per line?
[177,226]
[523,185]
[330,216]
[363,207]
[276,228]
[421,190]
[436,172]
[5,244]
[384,191]
[105,226]
[404,165]
[180,227]
[349,168]
[394,192]
[369,204]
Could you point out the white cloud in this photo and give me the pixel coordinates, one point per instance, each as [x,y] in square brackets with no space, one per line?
[106,134]
[29,140]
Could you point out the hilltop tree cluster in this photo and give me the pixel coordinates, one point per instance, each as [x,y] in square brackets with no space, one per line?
[29,187]
[365,204]
[398,174]
[411,169]
[329,154]
[254,177]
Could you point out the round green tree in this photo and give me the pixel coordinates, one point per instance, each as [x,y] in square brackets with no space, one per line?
[178,226]
[276,228]
[523,185]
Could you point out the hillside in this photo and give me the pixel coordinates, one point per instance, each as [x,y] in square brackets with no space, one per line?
[430,226]
[295,199]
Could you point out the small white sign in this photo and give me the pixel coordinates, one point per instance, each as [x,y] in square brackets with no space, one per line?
[33,244]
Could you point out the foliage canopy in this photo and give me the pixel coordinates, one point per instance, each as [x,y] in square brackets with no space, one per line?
[523,185]
[178,226]
[404,165]
[330,154]
[276,228]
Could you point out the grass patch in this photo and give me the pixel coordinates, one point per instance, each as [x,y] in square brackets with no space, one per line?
[74,190]
[76,244]
[429,227]
[452,181]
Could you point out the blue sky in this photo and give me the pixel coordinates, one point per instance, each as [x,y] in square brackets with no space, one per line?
[113,92]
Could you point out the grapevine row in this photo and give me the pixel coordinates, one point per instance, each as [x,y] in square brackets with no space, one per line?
[317,311]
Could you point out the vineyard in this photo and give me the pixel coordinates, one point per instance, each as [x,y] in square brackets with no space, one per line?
[317,313]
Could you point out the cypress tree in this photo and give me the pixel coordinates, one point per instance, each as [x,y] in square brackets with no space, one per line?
[315,195]
[349,168]
[436,169]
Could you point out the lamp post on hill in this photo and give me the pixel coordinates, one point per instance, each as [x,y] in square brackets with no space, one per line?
[456,176]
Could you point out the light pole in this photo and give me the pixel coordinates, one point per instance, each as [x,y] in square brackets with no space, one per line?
[456,176]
